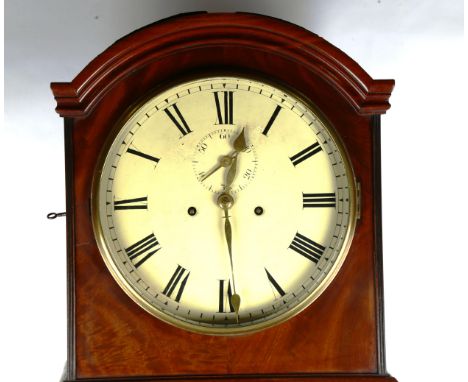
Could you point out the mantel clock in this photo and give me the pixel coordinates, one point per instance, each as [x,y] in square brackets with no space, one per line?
[223,206]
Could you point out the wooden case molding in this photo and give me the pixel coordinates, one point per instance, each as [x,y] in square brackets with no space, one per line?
[340,337]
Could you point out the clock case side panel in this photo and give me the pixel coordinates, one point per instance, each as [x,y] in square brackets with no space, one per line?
[70,366]
[378,250]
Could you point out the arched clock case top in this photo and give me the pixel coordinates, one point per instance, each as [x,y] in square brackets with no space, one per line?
[337,338]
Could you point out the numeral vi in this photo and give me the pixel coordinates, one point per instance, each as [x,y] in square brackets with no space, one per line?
[225,295]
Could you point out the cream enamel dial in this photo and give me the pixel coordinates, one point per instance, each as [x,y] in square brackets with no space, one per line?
[224,205]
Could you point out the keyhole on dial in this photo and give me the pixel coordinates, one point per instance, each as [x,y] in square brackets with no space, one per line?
[192,211]
[258,210]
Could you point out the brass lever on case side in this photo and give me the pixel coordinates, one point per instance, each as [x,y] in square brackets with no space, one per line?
[54,215]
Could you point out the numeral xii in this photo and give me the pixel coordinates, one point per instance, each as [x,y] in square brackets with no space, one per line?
[227,105]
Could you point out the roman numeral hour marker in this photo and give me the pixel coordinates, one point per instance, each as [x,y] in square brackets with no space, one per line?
[226,105]
[307,247]
[225,295]
[143,249]
[272,120]
[318,200]
[142,155]
[178,120]
[176,281]
[275,284]
[131,204]
[305,154]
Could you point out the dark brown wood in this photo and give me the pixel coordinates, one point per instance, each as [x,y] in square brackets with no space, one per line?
[341,334]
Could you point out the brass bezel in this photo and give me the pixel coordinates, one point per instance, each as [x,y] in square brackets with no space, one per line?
[234,330]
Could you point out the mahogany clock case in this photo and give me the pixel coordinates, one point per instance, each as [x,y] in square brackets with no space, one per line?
[340,336]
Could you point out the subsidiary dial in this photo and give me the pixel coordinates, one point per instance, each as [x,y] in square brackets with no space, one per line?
[225,159]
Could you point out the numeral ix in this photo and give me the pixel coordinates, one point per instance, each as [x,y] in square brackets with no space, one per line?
[131,204]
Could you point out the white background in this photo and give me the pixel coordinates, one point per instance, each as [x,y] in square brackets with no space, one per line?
[424,143]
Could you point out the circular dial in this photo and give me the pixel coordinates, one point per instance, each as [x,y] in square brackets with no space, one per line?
[224,205]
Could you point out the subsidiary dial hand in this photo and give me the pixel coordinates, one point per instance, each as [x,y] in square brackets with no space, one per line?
[223,162]
[231,174]
[240,144]
[229,160]
[225,201]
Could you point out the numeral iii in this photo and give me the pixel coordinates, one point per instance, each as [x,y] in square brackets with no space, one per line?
[318,200]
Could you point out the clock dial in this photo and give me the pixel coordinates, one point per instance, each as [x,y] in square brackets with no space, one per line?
[224,205]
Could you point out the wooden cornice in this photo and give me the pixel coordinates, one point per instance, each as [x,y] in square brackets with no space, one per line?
[190,32]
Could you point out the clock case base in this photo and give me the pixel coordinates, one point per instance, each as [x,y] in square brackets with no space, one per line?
[247,378]
[340,336]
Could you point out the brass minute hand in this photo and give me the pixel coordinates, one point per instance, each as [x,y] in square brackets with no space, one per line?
[225,202]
